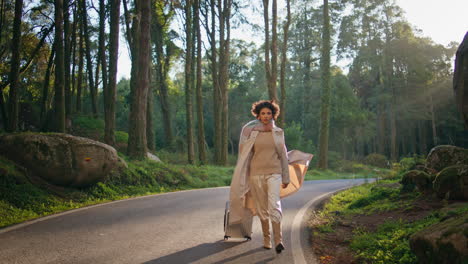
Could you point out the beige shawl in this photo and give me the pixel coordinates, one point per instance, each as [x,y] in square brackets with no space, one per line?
[294,167]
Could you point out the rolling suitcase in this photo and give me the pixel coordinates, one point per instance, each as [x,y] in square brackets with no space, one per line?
[238,230]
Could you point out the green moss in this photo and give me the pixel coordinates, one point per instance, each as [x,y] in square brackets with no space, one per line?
[448,182]
[445,252]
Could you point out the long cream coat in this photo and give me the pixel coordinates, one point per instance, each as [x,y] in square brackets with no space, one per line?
[294,167]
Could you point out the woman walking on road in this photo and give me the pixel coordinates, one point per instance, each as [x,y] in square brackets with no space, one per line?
[268,172]
[262,174]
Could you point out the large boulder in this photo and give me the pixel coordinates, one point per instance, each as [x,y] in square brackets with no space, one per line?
[452,183]
[442,243]
[460,79]
[62,159]
[444,156]
[417,178]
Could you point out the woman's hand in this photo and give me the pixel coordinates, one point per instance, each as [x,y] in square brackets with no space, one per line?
[264,128]
[284,185]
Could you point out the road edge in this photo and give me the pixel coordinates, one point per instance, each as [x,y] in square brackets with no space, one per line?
[43,218]
[296,245]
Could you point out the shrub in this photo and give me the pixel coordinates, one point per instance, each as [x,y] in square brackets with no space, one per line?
[353,167]
[87,126]
[376,194]
[409,163]
[377,160]
[121,137]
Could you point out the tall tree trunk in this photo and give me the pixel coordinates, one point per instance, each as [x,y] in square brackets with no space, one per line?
[2,18]
[307,96]
[79,83]
[266,21]
[393,134]
[2,100]
[272,91]
[163,69]
[150,136]
[381,116]
[325,102]
[67,48]
[45,87]
[137,142]
[188,81]
[102,53]
[433,122]
[59,102]
[3,111]
[161,43]
[224,10]
[73,60]
[381,129]
[193,72]
[200,118]
[422,138]
[390,88]
[128,31]
[14,70]
[133,38]
[284,60]
[217,115]
[96,76]
[109,110]
[89,63]
[414,140]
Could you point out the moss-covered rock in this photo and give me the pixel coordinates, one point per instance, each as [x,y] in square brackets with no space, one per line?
[442,243]
[460,84]
[416,178]
[62,159]
[452,182]
[444,156]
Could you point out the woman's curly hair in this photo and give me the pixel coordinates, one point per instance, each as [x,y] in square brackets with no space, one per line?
[259,105]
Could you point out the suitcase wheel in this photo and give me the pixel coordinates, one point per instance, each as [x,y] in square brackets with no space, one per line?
[248,238]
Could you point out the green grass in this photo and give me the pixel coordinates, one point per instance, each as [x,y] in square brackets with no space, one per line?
[366,199]
[20,200]
[390,243]
[358,171]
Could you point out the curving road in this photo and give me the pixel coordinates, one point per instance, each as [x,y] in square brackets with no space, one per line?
[180,227]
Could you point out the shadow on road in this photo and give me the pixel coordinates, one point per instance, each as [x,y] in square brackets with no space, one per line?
[195,253]
[250,252]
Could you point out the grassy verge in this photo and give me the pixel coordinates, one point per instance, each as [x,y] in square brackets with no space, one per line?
[20,200]
[374,222]
[360,172]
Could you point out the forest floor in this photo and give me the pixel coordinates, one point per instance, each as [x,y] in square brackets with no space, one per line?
[370,235]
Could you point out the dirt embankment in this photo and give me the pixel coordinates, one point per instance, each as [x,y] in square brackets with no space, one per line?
[332,246]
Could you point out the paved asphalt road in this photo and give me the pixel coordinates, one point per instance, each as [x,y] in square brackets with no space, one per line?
[180,227]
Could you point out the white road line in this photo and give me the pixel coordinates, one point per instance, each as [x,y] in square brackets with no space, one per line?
[297,252]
